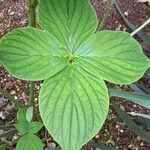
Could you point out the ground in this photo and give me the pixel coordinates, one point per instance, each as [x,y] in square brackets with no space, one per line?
[13,14]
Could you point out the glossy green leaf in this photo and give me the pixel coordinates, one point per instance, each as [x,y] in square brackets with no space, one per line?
[29,114]
[114,56]
[70,21]
[27,55]
[34,127]
[29,142]
[141,99]
[73,106]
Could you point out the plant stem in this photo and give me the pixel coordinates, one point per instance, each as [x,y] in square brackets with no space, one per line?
[11,98]
[106,15]
[7,133]
[32,23]
[141,27]
[31,94]
[32,12]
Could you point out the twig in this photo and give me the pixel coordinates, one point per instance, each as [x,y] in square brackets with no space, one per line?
[106,15]
[141,27]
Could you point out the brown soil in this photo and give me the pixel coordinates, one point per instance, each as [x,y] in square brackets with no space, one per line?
[13,14]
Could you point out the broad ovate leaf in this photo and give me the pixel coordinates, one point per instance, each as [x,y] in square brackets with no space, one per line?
[32,54]
[29,142]
[113,56]
[73,106]
[70,21]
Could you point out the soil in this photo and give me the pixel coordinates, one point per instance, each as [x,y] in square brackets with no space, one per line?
[13,14]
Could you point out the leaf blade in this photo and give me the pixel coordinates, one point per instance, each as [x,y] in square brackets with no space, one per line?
[29,142]
[113,56]
[70,115]
[68,20]
[27,56]
[141,99]
[131,125]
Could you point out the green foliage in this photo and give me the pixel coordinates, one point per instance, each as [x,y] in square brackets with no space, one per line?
[27,129]
[2,147]
[102,146]
[131,125]
[141,99]
[73,61]
[139,114]
[29,142]
[29,114]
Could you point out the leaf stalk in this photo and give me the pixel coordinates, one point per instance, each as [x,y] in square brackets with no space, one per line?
[141,27]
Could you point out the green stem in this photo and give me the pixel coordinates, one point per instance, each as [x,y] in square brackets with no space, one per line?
[141,27]
[31,94]
[32,23]
[32,12]
[11,98]
[106,15]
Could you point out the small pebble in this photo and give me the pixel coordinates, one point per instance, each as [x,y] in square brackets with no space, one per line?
[24,22]
[138,138]
[11,13]
[97,136]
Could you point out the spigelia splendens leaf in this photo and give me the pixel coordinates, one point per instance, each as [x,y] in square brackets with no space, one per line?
[73,60]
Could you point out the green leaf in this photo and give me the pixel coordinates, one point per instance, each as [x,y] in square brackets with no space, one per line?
[70,21]
[21,114]
[26,55]
[141,99]
[29,114]
[34,127]
[74,62]
[102,146]
[139,114]
[113,56]
[142,122]
[131,125]
[3,147]
[73,106]
[22,127]
[29,142]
